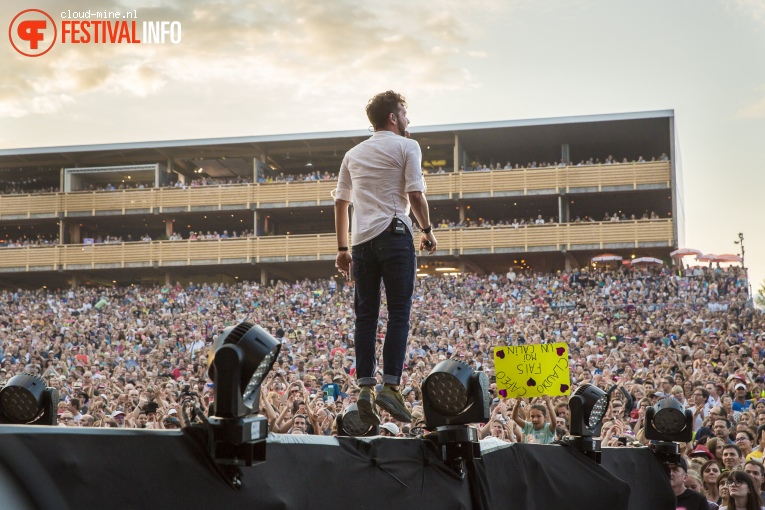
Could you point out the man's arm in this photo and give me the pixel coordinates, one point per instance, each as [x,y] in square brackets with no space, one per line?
[422,214]
[343,259]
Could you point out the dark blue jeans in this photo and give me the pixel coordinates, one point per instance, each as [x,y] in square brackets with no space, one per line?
[389,259]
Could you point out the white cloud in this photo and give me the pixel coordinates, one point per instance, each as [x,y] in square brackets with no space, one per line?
[754,110]
[303,47]
[753,8]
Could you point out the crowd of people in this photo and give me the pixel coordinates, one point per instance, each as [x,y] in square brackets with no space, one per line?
[34,186]
[444,223]
[129,357]
[25,189]
[610,160]
[304,177]
[39,240]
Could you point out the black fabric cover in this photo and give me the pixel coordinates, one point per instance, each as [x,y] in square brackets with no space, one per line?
[646,476]
[549,477]
[59,468]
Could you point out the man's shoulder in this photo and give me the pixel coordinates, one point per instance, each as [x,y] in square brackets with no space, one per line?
[691,499]
[388,139]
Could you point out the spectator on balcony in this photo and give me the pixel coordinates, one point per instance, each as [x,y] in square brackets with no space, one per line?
[539,220]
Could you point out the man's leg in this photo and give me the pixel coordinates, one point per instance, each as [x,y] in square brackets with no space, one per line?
[366,274]
[398,263]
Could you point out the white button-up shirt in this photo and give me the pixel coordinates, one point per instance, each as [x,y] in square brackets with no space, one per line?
[376,176]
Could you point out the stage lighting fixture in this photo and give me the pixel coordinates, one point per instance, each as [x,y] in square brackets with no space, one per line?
[240,358]
[25,399]
[453,395]
[349,424]
[667,420]
[235,435]
[587,406]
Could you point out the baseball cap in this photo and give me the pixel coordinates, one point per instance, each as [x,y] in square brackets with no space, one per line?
[116,413]
[740,386]
[391,427]
[702,451]
[680,462]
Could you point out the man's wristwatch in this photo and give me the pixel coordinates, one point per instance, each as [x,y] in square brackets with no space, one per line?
[428,229]
[342,248]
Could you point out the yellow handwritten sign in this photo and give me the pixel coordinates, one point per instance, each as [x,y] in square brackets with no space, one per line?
[532,370]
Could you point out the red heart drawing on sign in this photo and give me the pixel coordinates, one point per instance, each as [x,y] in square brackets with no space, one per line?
[563,388]
[500,354]
[560,350]
[503,393]
[531,382]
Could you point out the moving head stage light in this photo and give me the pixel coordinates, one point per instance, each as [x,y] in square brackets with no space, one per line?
[453,395]
[26,400]
[666,423]
[235,435]
[349,424]
[587,405]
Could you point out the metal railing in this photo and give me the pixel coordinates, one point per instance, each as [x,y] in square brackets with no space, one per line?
[458,241]
[497,183]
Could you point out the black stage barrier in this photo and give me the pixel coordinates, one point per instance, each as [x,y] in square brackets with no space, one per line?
[56,468]
[645,474]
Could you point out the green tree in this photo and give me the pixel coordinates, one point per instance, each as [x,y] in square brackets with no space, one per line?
[759,297]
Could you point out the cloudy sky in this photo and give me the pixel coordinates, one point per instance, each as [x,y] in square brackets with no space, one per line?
[290,66]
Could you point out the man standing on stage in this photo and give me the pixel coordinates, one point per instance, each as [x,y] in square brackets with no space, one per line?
[382,177]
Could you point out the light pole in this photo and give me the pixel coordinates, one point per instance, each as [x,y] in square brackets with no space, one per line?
[743,263]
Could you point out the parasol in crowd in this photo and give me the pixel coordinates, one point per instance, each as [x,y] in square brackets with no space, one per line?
[727,257]
[684,252]
[647,261]
[607,257]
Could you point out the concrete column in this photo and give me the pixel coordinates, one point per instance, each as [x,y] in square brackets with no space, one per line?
[74,233]
[75,281]
[263,276]
[566,209]
[168,227]
[564,213]
[255,222]
[571,262]
[168,281]
[565,153]
[457,153]
[462,212]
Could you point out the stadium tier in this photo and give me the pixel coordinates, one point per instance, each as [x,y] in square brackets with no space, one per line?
[543,194]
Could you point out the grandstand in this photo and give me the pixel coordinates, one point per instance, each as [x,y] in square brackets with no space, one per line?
[259,208]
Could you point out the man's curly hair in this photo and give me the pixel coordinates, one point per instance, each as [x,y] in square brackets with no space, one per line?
[382,105]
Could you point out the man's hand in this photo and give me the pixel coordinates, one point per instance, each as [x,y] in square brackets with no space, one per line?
[428,242]
[343,263]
